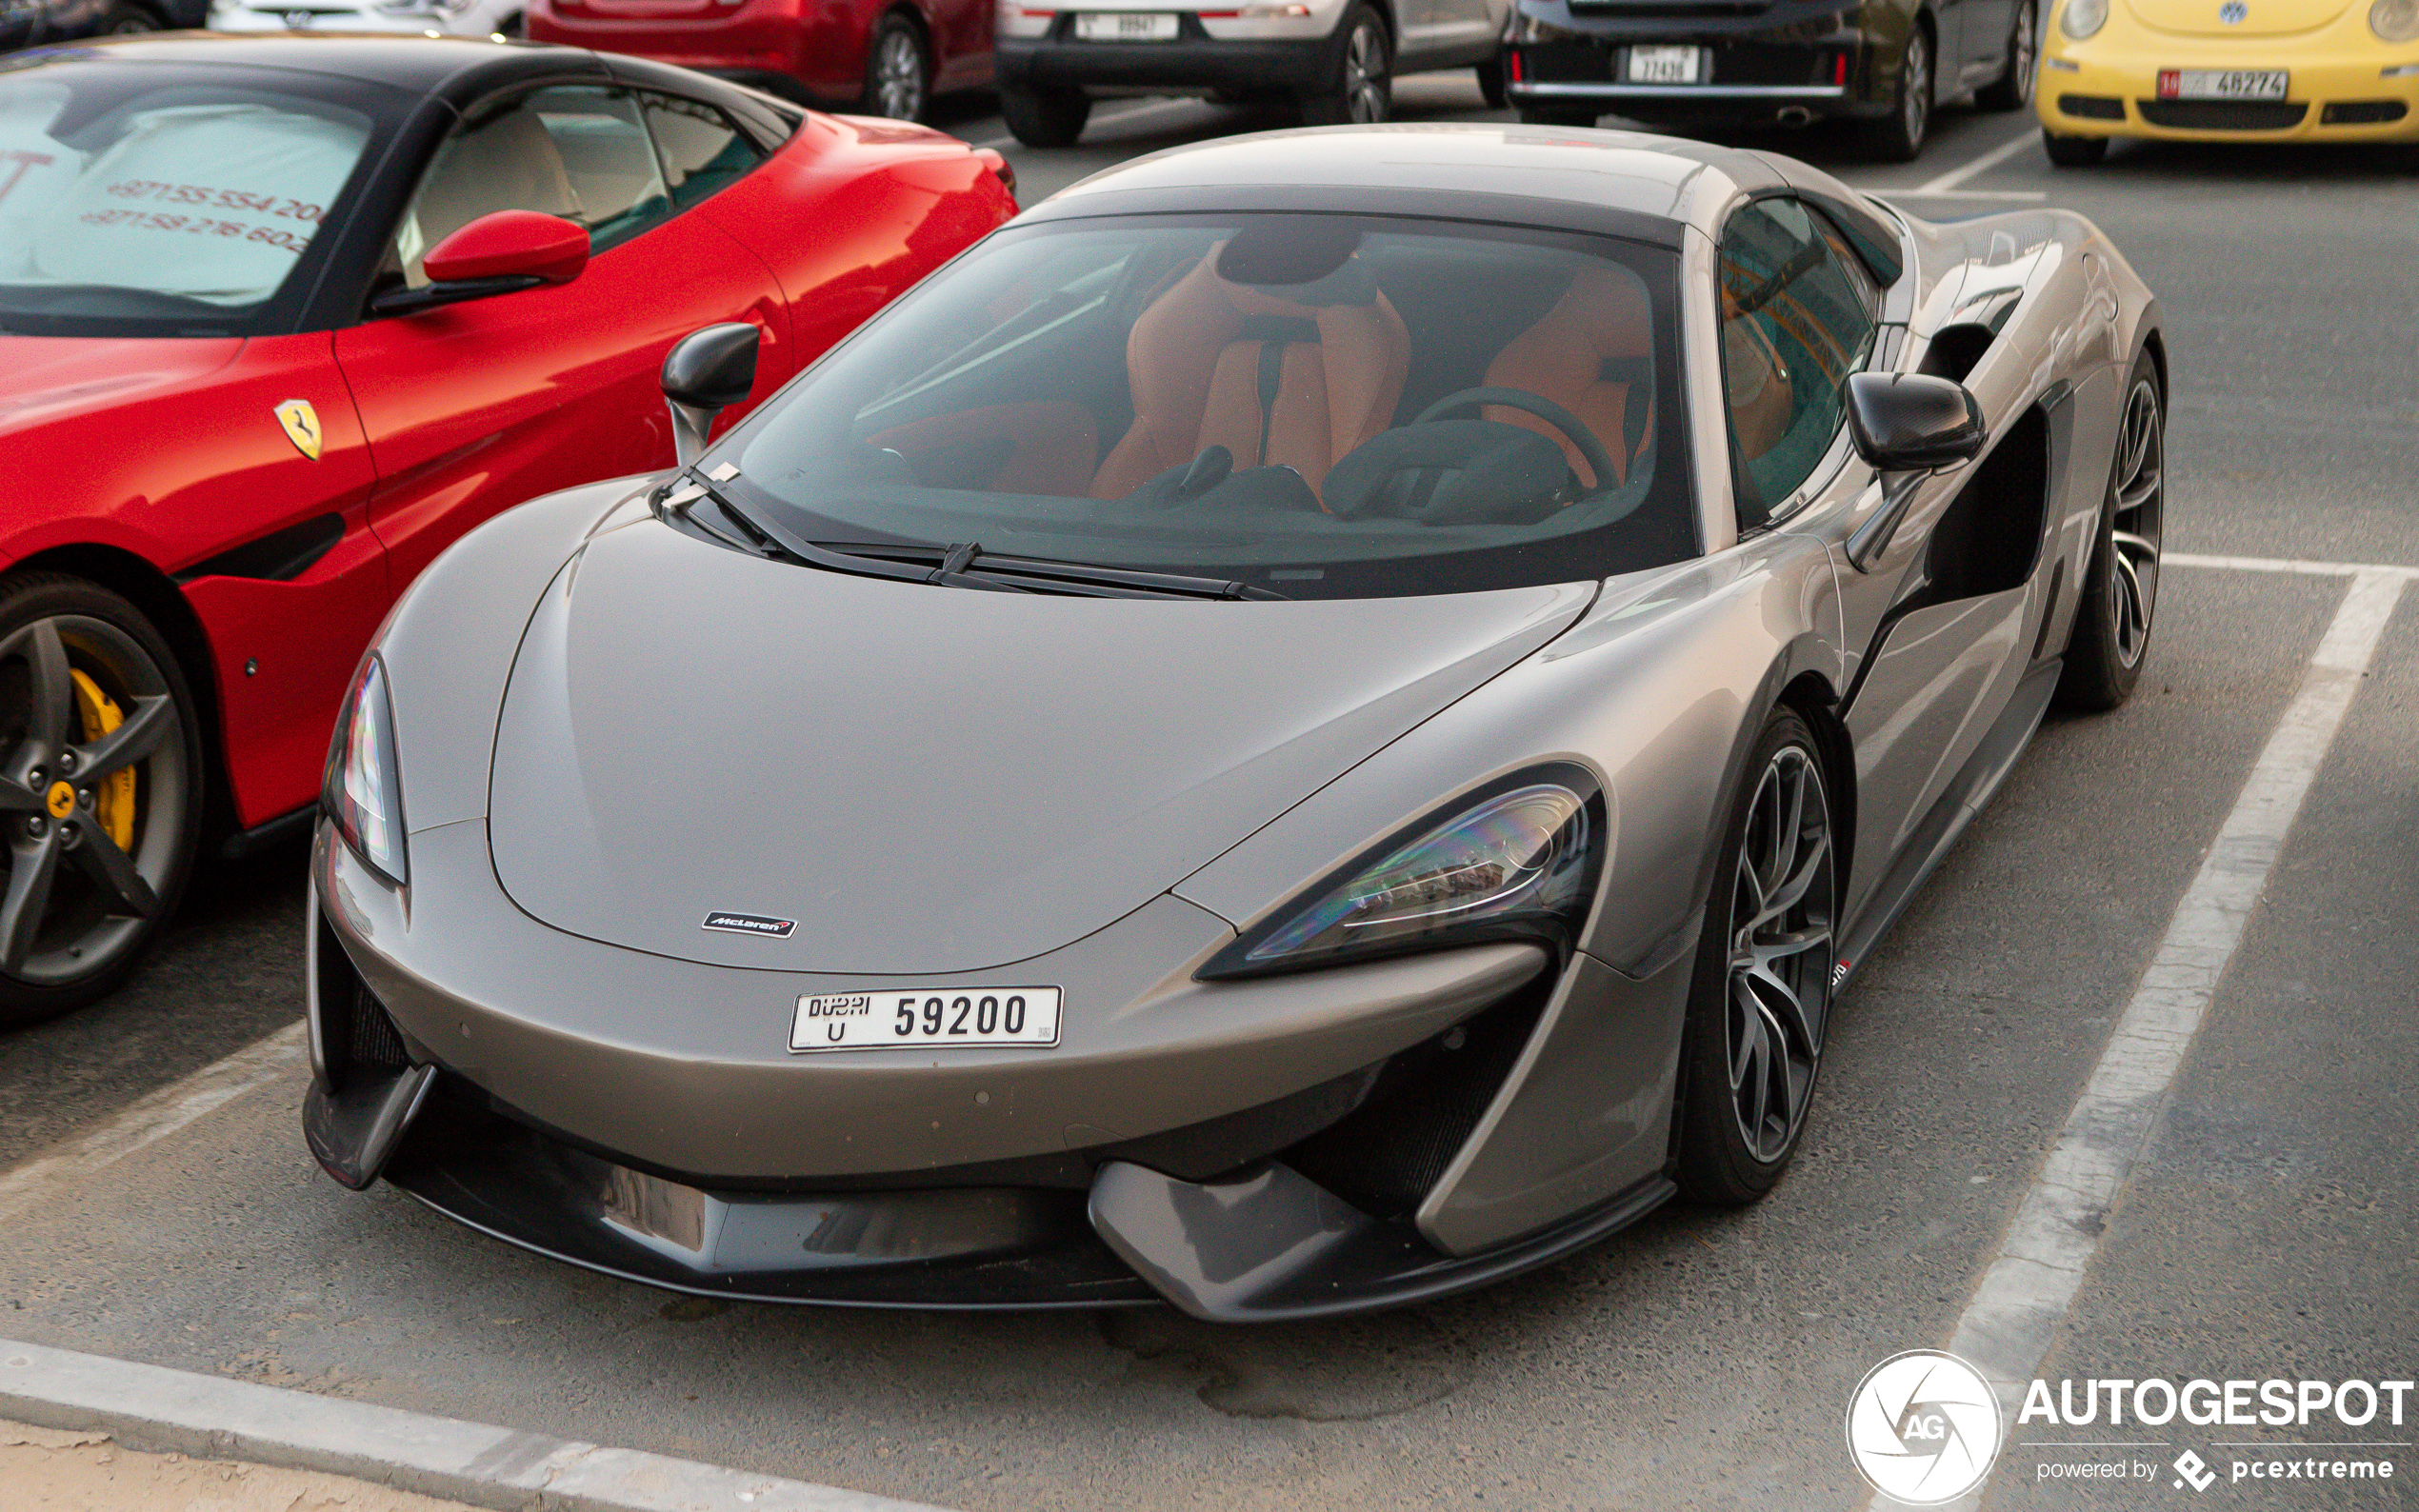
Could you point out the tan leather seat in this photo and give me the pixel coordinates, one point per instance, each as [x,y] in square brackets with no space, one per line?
[1587,354]
[506,164]
[1213,363]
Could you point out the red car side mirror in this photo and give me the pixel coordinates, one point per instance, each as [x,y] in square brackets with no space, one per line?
[509,244]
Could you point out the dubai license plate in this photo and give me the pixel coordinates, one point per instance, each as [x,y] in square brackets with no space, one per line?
[924,1018]
[1666,65]
[2222,84]
[1112,26]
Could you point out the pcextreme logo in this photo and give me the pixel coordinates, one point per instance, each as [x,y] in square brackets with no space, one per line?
[1923,1427]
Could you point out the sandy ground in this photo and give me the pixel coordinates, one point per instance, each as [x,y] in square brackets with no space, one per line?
[45,1470]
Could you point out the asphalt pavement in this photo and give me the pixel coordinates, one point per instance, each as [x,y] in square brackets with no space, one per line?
[1703,1359]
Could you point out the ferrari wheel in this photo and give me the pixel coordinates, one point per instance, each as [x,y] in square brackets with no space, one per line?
[2121,587]
[1762,993]
[1898,138]
[99,792]
[896,69]
[1361,81]
[2012,89]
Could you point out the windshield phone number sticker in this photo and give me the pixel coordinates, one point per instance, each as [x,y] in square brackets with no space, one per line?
[302,211]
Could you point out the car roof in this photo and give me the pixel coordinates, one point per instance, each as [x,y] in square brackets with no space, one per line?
[452,67]
[1629,175]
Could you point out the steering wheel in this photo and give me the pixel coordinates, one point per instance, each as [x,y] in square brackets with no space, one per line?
[1599,461]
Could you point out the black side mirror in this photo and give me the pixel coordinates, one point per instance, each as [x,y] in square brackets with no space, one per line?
[706,372]
[1909,422]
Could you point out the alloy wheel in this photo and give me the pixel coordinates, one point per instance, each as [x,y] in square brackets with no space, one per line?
[1915,98]
[93,793]
[1365,75]
[2134,540]
[898,74]
[1779,988]
[2027,50]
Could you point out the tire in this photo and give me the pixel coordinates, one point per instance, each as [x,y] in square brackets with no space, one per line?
[2114,619]
[1550,115]
[1760,1002]
[898,69]
[2012,89]
[1055,118]
[94,866]
[1360,82]
[1898,138]
[123,20]
[1492,83]
[2073,151]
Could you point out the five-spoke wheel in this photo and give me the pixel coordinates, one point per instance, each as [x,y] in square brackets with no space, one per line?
[99,792]
[1762,995]
[2121,587]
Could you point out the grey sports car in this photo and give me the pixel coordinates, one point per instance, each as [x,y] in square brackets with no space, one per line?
[1319,719]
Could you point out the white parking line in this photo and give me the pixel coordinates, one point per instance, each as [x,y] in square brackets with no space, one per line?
[2007,1328]
[1984,163]
[1147,108]
[153,1118]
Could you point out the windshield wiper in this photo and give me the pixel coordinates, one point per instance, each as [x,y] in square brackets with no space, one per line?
[967,565]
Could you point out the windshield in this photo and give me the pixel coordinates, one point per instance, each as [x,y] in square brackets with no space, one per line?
[1318,406]
[147,199]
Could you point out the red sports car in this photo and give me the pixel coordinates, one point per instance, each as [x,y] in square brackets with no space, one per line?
[283,317]
[884,57]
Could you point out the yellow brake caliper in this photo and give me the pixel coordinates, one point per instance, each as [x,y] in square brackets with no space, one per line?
[114,801]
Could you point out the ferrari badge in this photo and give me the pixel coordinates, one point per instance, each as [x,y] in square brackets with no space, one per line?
[302,426]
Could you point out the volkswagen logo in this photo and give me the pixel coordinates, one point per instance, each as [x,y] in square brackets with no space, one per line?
[1923,1427]
[2233,12]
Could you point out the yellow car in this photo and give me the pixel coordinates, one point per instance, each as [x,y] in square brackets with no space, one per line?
[2222,71]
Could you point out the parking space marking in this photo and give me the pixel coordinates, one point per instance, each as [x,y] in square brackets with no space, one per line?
[1147,108]
[1973,167]
[2024,1295]
[153,1118]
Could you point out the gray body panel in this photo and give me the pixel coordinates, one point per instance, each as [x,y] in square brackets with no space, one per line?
[1135,784]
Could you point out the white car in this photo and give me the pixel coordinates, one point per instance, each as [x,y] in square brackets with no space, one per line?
[464,18]
[1335,58]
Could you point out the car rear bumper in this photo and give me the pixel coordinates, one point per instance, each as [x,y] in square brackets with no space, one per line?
[2108,87]
[1795,60]
[1194,61]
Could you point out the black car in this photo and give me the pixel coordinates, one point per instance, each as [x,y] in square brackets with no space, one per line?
[1883,62]
[23,22]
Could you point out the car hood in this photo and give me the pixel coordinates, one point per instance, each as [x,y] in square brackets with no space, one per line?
[2261,18]
[44,378]
[928,780]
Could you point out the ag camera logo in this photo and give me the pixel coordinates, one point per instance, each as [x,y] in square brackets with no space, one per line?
[1923,1427]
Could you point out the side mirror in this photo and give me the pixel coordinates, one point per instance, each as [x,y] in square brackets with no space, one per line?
[1908,422]
[495,254]
[706,372]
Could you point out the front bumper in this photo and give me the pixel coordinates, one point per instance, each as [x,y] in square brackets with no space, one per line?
[2342,88]
[1294,1167]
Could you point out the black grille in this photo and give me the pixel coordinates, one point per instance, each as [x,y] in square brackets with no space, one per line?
[2092,107]
[1384,1155]
[2223,115]
[2363,112]
[375,1039]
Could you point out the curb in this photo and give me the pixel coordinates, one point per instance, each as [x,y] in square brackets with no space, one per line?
[177,1411]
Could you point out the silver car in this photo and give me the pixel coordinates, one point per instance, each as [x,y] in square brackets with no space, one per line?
[1335,60]
[1319,719]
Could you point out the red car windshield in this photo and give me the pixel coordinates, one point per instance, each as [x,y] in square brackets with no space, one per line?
[159,194]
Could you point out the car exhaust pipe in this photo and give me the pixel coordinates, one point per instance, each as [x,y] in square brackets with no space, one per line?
[1796,115]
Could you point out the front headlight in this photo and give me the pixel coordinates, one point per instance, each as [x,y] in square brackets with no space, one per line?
[2394,20]
[1519,863]
[362,792]
[2082,18]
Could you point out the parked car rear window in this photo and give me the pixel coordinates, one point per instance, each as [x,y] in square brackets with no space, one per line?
[1326,406]
[161,195]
